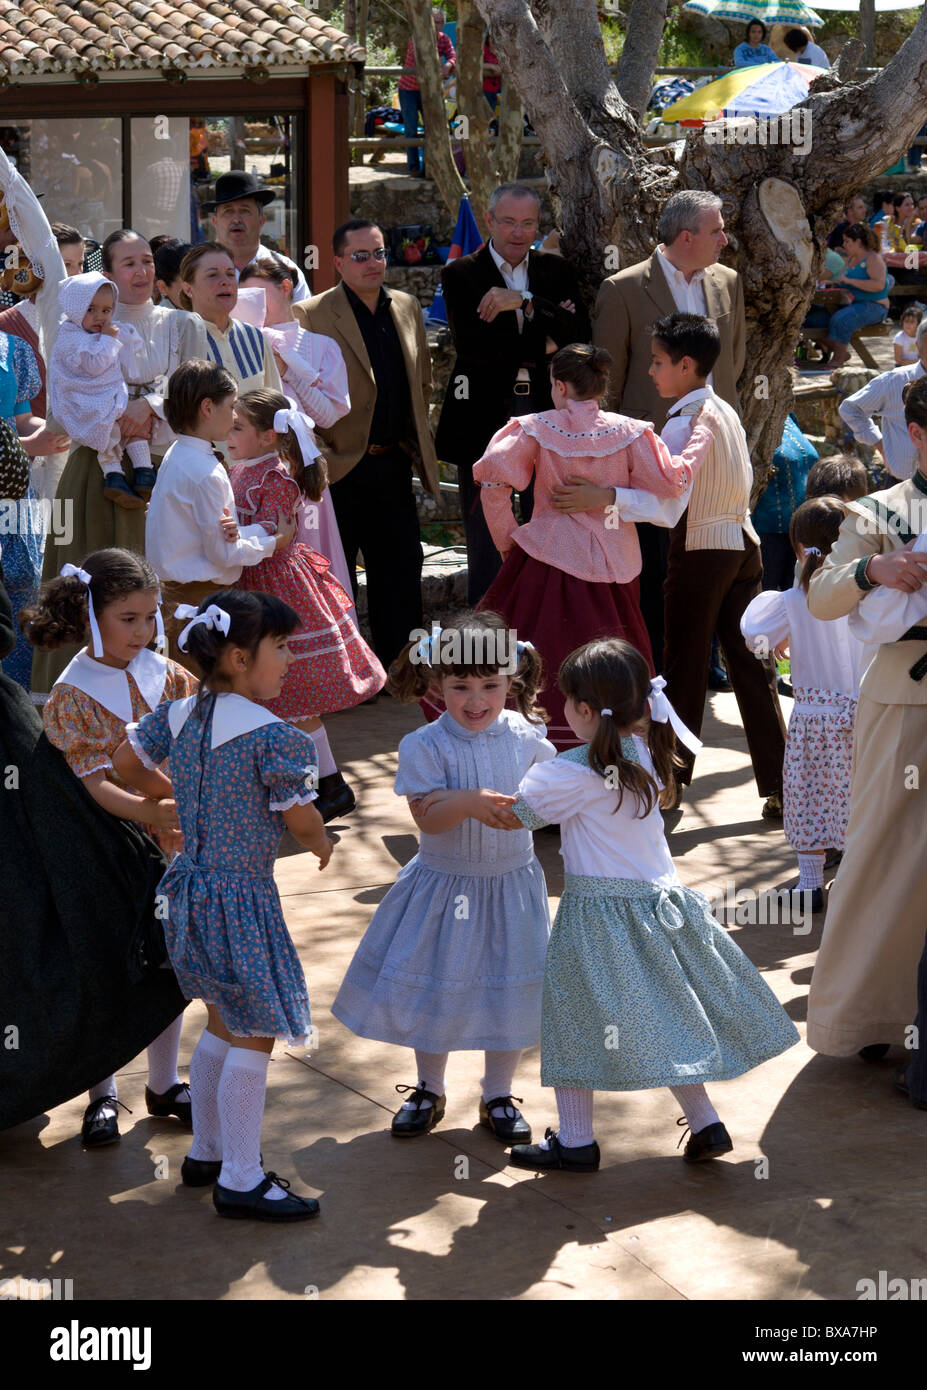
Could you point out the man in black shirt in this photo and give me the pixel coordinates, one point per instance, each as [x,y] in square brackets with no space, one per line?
[371,451]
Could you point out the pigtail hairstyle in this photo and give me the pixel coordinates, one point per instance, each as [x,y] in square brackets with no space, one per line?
[253,616]
[473,644]
[610,674]
[815,525]
[259,408]
[60,618]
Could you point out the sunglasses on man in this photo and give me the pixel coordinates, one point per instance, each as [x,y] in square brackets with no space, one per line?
[361,257]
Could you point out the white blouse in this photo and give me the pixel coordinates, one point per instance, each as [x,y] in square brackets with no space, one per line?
[596,838]
[823,655]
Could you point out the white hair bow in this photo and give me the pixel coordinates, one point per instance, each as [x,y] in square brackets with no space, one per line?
[296,420]
[160,635]
[661,712]
[66,572]
[213,617]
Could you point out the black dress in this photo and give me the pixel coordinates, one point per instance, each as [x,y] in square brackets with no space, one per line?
[82,985]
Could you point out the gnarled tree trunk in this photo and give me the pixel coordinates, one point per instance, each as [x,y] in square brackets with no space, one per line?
[438,158]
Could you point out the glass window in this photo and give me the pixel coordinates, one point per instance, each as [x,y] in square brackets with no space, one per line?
[74,166]
[265,146]
[160,165]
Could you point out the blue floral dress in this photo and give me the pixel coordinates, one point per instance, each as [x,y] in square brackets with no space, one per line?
[453,959]
[22,550]
[224,928]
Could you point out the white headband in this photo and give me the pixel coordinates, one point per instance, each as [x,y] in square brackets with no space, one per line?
[296,420]
[661,712]
[214,617]
[66,572]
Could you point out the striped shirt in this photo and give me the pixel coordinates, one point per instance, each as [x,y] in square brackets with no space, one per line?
[243,351]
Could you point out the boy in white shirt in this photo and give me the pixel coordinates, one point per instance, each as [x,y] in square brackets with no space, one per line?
[192,537]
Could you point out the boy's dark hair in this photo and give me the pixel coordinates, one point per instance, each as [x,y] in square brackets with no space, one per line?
[914,396]
[192,383]
[60,616]
[795,40]
[689,335]
[254,616]
[841,475]
[355,224]
[259,408]
[168,258]
[65,235]
[583,367]
[816,523]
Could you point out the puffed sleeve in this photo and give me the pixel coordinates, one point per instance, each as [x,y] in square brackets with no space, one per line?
[547,794]
[507,464]
[541,747]
[288,766]
[150,739]
[421,767]
[279,496]
[765,622]
[654,468]
[26,371]
[179,683]
[73,723]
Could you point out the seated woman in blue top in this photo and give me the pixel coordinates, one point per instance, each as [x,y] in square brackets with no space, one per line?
[755,50]
[867,279]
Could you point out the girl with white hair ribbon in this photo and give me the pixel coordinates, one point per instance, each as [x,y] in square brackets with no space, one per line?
[112,601]
[275,464]
[642,987]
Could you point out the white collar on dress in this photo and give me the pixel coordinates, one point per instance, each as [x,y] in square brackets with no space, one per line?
[702,393]
[109,685]
[233,716]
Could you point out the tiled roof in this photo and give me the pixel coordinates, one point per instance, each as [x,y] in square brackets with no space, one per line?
[45,39]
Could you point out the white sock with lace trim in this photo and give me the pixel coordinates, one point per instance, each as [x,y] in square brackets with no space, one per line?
[242,1088]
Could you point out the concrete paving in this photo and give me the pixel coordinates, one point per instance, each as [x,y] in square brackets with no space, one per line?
[823,1188]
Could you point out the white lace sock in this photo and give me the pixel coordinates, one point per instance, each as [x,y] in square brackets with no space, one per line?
[696,1106]
[327,764]
[162,1058]
[106,1087]
[139,451]
[242,1087]
[205,1071]
[575,1110]
[431,1069]
[500,1069]
[810,871]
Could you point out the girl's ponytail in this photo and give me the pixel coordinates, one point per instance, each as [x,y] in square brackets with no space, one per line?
[815,526]
[311,478]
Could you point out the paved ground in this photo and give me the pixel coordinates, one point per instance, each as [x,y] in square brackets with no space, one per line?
[824,1186]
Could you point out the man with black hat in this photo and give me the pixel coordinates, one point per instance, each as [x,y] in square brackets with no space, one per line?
[238,216]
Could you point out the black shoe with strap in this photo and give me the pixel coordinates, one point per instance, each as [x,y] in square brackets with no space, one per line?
[256,1206]
[98,1129]
[200,1172]
[407,1123]
[510,1127]
[583,1159]
[710,1142]
[170,1103]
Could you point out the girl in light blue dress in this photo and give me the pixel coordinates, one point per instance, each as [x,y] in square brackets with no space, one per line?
[642,988]
[239,775]
[453,959]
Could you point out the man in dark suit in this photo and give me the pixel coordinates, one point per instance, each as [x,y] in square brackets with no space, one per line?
[508,308]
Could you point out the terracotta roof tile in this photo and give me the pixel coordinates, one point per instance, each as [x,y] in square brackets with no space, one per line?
[58,38]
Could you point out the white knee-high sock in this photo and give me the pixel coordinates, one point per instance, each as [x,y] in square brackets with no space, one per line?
[139,451]
[242,1087]
[162,1058]
[500,1070]
[106,1087]
[575,1109]
[205,1072]
[326,757]
[810,871]
[431,1069]
[697,1108]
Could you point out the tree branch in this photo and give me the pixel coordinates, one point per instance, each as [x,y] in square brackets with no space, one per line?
[643,35]
[438,157]
[472,106]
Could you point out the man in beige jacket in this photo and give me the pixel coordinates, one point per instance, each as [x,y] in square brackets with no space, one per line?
[682,274]
[371,451]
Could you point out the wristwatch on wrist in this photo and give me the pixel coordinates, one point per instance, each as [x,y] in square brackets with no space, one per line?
[527,300]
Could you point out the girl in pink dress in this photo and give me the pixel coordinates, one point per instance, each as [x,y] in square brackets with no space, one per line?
[571,577]
[274,464]
[312,370]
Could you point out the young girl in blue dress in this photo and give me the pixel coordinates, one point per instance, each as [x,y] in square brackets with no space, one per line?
[642,987]
[453,959]
[239,776]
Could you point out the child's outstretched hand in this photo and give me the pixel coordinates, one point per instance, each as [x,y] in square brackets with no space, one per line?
[578,494]
[229,525]
[492,809]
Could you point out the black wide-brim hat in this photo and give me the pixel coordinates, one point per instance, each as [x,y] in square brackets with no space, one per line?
[237,184]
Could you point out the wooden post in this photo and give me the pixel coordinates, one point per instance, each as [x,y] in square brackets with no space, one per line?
[867,28]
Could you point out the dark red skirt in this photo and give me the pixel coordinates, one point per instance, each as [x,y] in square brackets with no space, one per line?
[557,613]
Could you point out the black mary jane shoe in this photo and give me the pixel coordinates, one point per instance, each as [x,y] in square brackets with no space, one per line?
[256,1206]
[584,1159]
[874,1052]
[710,1142]
[407,1123]
[900,1082]
[98,1129]
[200,1172]
[335,798]
[511,1127]
[168,1104]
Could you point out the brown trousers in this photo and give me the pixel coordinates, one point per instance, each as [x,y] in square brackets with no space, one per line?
[706,592]
[171,595]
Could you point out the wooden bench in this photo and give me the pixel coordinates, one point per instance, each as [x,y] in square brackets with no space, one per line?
[868,330]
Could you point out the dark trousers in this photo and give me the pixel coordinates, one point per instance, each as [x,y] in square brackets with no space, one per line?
[377,516]
[654,543]
[916,1076]
[778,560]
[483,562]
[706,592]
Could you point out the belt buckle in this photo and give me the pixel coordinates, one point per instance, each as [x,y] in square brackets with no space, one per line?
[522,388]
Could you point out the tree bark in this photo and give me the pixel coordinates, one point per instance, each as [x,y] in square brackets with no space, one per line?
[634,78]
[867,28]
[473,108]
[438,158]
[511,115]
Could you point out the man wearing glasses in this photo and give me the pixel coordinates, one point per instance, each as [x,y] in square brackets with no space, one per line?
[371,451]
